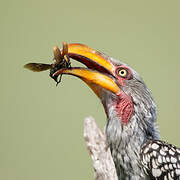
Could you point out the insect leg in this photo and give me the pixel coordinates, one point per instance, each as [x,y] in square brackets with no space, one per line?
[58,81]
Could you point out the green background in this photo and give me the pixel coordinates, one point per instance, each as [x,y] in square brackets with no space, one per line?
[41,125]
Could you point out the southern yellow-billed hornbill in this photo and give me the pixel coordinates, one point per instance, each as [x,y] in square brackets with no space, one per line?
[131,129]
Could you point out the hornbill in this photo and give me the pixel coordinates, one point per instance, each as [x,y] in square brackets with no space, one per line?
[131,129]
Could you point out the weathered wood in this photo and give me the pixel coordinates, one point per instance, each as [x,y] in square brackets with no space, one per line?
[99,151]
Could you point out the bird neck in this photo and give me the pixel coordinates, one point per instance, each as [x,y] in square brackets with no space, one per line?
[126,136]
[126,113]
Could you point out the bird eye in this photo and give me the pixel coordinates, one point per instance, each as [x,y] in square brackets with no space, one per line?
[123,73]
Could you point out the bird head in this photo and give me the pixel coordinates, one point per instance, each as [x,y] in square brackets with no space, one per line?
[120,89]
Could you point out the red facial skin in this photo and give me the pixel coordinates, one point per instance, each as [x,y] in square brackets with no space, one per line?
[124,107]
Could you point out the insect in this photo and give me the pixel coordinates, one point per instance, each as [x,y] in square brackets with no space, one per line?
[61,58]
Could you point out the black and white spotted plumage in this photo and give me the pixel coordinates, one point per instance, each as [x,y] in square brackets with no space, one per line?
[161,160]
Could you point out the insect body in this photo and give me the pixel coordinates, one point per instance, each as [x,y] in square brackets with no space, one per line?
[61,61]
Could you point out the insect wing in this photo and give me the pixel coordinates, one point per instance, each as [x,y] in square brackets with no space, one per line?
[65,49]
[57,54]
[37,67]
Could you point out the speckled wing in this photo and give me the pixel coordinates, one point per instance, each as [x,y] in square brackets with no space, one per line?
[161,160]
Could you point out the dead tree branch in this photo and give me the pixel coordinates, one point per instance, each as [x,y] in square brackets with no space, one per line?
[99,151]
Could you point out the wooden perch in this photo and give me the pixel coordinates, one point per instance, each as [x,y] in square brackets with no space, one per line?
[99,151]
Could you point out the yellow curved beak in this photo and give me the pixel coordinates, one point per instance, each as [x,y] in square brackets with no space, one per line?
[99,72]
